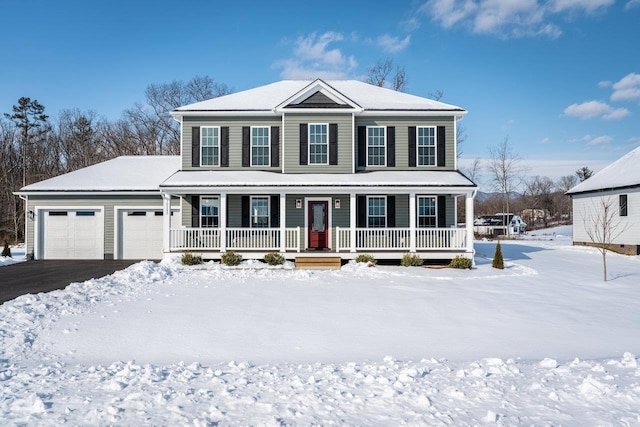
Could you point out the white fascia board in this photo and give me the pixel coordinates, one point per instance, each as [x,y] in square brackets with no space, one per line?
[313,189]
[89,193]
[319,110]
[421,113]
[224,113]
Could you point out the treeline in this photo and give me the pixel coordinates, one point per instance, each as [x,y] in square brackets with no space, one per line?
[35,146]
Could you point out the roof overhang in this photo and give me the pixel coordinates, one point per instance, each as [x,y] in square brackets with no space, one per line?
[318,85]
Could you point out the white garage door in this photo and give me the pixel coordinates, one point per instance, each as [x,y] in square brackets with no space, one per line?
[72,234]
[141,234]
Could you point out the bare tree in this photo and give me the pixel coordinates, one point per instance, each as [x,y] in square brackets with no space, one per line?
[537,191]
[505,170]
[437,95]
[379,73]
[563,201]
[473,171]
[604,225]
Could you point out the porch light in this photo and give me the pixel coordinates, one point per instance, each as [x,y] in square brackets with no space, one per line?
[336,203]
[298,203]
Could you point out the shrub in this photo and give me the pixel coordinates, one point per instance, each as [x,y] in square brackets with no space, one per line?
[411,260]
[461,262]
[498,261]
[190,259]
[231,258]
[6,252]
[274,258]
[369,259]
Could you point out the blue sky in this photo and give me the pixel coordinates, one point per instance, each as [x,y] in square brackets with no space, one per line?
[560,79]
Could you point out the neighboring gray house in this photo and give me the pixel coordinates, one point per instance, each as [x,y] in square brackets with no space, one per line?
[300,167]
[618,185]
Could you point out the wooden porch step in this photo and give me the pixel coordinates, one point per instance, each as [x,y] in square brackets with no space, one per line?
[325,262]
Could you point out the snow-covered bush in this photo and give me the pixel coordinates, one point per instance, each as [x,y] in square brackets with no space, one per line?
[190,259]
[274,258]
[498,261]
[461,262]
[231,258]
[411,260]
[369,259]
[6,252]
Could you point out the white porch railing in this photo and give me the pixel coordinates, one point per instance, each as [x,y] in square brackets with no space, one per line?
[400,238]
[261,239]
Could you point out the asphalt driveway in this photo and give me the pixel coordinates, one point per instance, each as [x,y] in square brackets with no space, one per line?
[32,277]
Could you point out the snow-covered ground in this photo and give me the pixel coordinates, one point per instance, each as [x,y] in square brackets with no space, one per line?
[17,255]
[543,342]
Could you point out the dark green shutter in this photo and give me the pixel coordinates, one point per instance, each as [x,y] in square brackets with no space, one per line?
[195,211]
[246,146]
[391,146]
[442,211]
[361,212]
[304,144]
[275,146]
[391,211]
[362,146]
[195,146]
[333,144]
[275,211]
[224,146]
[246,214]
[442,158]
[412,146]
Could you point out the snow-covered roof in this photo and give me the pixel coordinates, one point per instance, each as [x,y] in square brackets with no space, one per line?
[624,172]
[237,179]
[126,173]
[355,93]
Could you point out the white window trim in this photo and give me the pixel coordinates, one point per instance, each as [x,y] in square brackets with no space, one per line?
[435,200]
[384,147]
[251,198]
[435,146]
[326,125]
[268,146]
[219,144]
[200,210]
[385,210]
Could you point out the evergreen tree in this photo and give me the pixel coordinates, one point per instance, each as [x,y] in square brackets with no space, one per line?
[498,261]
[6,252]
[584,173]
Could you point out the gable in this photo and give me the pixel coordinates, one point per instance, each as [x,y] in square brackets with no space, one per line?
[318,100]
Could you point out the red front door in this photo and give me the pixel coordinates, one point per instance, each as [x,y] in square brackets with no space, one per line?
[317,221]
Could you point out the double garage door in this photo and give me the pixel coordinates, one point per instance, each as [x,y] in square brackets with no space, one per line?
[79,234]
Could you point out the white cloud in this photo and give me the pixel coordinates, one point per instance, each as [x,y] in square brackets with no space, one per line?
[598,141]
[631,4]
[605,83]
[508,18]
[545,140]
[627,89]
[393,44]
[313,58]
[593,109]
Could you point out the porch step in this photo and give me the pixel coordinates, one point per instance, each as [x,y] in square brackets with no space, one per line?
[324,262]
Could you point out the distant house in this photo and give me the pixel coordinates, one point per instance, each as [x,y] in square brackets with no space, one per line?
[619,186]
[299,167]
[496,225]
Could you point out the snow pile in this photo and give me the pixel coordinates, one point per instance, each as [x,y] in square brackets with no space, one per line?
[542,342]
[17,255]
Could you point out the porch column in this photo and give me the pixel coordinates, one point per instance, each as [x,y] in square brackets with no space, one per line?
[352,221]
[469,221]
[166,226]
[283,222]
[222,216]
[412,222]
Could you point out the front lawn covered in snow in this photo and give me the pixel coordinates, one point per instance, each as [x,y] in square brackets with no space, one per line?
[544,341]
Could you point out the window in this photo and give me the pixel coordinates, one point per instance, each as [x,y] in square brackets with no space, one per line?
[260,147]
[427,216]
[623,205]
[426,146]
[209,211]
[318,144]
[210,146]
[376,212]
[376,146]
[260,212]
[86,213]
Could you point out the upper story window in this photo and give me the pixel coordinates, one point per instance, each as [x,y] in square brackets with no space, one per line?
[426,146]
[376,211]
[260,146]
[623,205]
[210,146]
[318,144]
[260,212]
[209,211]
[427,216]
[376,146]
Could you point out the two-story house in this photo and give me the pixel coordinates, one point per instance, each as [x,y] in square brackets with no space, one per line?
[313,167]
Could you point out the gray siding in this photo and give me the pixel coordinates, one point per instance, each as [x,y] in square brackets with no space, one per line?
[235,138]
[292,141]
[402,125]
[107,203]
